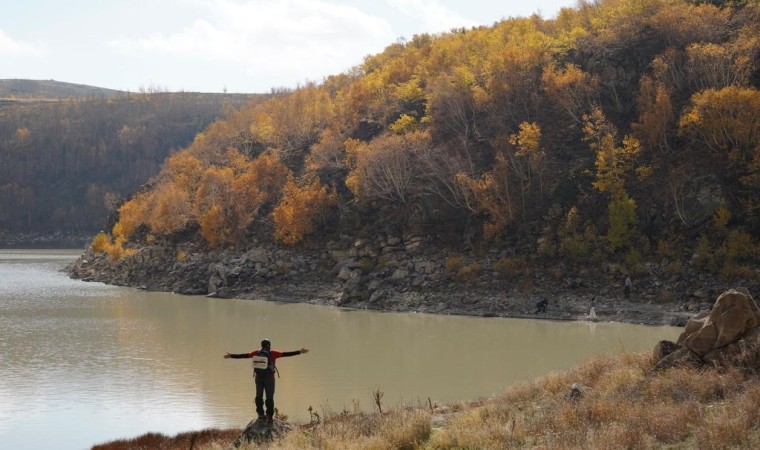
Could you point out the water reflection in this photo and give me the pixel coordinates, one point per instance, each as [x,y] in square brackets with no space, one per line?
[85,362]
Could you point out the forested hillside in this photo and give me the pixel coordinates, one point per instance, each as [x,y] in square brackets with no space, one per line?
[70,153]
[620,130]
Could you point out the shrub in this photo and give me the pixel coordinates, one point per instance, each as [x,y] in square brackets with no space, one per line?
[301,211]
[101,242]
[469,272]
[454,264]
[512,267]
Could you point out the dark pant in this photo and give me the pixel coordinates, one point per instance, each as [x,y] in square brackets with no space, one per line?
[264,385]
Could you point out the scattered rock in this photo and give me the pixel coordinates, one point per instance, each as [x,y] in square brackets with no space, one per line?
[664,348]
[261,431]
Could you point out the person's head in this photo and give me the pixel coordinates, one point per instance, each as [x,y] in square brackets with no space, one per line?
[265,344]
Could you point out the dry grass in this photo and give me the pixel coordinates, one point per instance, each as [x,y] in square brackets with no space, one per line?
[397,430]
[623,406]
[211,438]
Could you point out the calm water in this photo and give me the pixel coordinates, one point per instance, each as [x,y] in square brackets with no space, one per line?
[83,363]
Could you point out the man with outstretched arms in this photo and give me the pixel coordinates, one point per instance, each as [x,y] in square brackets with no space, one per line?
[264,369]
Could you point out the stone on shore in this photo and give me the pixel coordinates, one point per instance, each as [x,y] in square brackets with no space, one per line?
[261,431]
[733,316]
[729,335]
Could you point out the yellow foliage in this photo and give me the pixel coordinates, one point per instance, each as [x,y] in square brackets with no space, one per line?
[572,88]
[613,162]
[170,210]
[212,226]
[100,242]
[490,195]
[726,120]
[185,171]
[301,210]
[404,124]
[656,116]
[268,174]
[132,214]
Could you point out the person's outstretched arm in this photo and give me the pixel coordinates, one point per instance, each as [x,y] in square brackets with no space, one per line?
[296,352]
[238,355]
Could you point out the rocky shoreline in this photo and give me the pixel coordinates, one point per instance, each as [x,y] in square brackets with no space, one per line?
[411,275]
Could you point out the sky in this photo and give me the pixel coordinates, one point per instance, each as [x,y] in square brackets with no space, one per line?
[235,46]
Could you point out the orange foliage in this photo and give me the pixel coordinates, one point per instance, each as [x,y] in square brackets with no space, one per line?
[268,174]
[185,171]
[726,120]
[131,214]
[490,195]
[655,114]
[212,227]
[573,89]
[170,210]
[301,210]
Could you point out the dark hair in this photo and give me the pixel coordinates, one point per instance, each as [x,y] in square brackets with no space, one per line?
[265,343]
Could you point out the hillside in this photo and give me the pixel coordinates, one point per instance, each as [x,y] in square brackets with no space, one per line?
[70,153]
[535,156]
[19,89]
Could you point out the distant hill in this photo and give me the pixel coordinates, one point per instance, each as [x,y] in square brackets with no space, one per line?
[68,152]
[50,89]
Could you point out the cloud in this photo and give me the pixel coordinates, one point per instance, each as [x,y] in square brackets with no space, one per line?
[10,47]
[294,38]
[434,16]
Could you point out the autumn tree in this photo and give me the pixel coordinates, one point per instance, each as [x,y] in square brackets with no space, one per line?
[387,167]
[727,121]
[656,116]
[327,152]
[170,209]
[301,211]
[527,160]
[491,196]
[571,88]
[613,163]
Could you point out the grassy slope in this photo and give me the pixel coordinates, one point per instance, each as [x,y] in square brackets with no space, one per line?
[623,406]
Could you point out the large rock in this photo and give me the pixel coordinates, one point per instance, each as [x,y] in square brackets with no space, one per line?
[744,353]
[261,431]
[733,316]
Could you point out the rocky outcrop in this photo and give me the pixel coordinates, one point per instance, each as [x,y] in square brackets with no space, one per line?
[733,316]
[261,431]
[728,335]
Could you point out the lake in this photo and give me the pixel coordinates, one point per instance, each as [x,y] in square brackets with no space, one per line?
[83,363]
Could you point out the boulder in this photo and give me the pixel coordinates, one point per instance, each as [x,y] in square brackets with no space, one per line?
[218,277]
[679,358]
[744,353]
[261,431]
[664,348]
[734,315]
